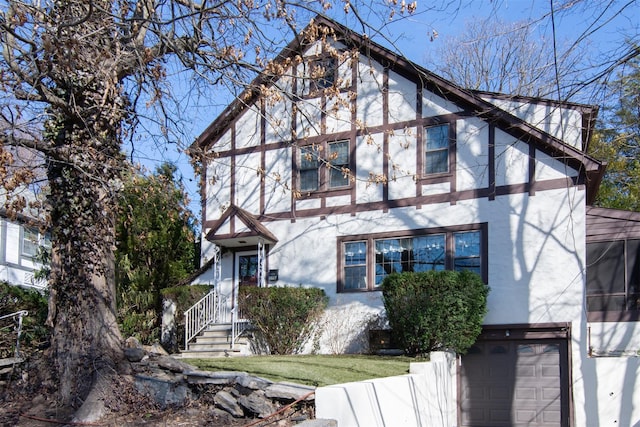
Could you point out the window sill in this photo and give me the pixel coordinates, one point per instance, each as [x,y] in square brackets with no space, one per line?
[315,194]
[359,291]
[613,316]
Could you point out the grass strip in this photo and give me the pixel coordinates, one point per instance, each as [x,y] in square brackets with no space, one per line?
[314,370]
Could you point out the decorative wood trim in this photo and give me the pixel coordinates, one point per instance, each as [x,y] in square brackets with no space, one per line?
[263,154]
[353,132]
[492,161]
[532,170]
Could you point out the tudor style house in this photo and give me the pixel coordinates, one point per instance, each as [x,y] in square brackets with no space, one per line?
[345,162]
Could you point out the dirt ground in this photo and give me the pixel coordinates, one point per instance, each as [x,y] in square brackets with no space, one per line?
[27,400]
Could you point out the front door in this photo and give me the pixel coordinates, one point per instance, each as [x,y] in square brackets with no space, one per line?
[247,271]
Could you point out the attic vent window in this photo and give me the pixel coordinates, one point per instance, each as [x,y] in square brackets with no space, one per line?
[322,74]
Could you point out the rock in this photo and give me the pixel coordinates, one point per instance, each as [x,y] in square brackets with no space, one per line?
[289,391]
[226,401]
[218,377]
[257,404]
[156,348]
[134,354]
[173,365]
[253,383]
[166,390]
[132,342]
[221,417]
[318,423]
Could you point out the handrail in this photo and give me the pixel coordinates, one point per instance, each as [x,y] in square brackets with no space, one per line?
[20,315]
[210,309]
[199,315]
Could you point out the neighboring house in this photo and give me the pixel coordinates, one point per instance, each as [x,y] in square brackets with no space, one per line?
[20,239]
[20,233]
[354,162]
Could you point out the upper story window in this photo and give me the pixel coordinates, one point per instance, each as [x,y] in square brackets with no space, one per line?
[613,280]
[32,239]
[321,75]
[324,166]
[366,261]
[436,148]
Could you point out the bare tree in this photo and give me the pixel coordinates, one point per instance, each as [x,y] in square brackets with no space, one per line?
[506,57]
[76,78]
[529,57]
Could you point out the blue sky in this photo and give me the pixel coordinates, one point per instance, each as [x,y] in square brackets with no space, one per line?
[604,25]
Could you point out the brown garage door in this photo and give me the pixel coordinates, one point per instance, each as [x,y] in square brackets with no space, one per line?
[515,383]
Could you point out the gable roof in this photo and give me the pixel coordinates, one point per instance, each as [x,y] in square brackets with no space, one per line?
[249,232]
[591,170]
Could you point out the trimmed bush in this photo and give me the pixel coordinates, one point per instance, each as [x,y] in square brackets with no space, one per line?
[285,317]
[435,310]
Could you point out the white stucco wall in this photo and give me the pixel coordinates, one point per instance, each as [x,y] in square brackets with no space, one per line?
[425,397]
[563,123]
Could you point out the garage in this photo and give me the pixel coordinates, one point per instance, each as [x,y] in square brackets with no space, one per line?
[516,376]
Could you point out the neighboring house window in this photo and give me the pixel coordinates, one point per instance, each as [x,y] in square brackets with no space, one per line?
[436,148]
[377,256]
[30,242]
[324,166]
[613,280]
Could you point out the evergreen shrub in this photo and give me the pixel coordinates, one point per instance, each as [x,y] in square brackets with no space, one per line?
[435,310]
[284,317]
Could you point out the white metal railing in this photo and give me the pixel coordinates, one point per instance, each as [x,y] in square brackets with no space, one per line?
[238,325]
[19,314]
[212,308]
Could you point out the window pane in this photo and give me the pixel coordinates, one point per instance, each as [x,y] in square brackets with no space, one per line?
[337,178]
[605,268]
[606,303]
[339,153]
[437,149]
[437,137]
[467,251]
[355,261]
[338,158]
[308,169]
[248,269]
[437,161]
[309,180]
[392,256]
[633,266]
[429,253]
[308,158]
[324,73]
[30,242]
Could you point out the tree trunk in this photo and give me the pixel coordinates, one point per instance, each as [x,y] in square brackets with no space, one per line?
[84,164]
[86,342]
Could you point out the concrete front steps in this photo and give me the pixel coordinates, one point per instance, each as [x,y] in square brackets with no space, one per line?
[215,341]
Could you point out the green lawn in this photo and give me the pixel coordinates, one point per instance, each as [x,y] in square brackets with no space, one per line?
[310,369]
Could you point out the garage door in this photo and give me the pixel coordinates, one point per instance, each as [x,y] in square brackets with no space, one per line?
[515,383]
